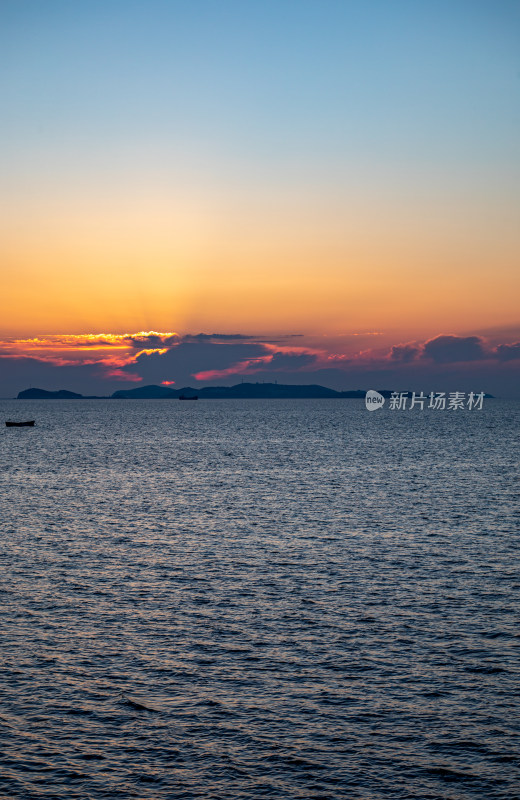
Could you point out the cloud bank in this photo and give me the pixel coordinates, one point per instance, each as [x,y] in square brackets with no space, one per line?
[99,363]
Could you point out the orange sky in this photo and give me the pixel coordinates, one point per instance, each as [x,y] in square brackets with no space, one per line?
[253,262]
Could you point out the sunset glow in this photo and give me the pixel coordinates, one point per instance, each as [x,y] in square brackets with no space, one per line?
[347,174]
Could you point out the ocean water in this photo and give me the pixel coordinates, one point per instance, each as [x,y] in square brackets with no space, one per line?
[259,599]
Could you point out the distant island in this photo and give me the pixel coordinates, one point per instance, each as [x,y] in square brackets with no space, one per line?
[239,391]
[62,394]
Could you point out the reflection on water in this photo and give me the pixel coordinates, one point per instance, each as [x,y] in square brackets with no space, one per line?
[246,599]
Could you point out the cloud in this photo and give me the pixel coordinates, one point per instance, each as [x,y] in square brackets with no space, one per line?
[97,363]
[292,359]
[79,348]
[187,359]
[404,353]
[282,360]
[508,352]
[451,349]
[149,340]
[448,349]
[217,337]
[247,367]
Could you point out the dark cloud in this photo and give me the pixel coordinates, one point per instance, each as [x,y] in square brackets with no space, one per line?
[180,363]
[217,337]
[157,340]
[151,341]
[404,352]
[508,352]
[449,349]
[88,343]
[293,361]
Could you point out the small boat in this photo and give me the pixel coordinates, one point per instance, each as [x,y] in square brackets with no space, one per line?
[183,397]
[11,424]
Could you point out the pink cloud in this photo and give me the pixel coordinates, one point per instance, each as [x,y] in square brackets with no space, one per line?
[130,377]
[247,367]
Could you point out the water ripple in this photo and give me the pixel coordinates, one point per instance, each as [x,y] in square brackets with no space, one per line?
[259,600]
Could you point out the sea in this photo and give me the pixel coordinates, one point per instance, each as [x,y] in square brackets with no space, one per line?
[241,599]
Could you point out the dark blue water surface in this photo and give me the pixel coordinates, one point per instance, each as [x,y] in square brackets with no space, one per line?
[259,599]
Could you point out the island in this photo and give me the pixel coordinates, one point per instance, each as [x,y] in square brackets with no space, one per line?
[61,394]
[251,391]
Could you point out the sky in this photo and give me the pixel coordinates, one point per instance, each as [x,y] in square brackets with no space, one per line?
[203,191]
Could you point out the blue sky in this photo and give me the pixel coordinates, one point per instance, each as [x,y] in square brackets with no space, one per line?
[385,81]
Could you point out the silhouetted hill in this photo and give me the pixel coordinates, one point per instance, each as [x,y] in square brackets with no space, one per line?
[43,394]
[145,393]
[240,390]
